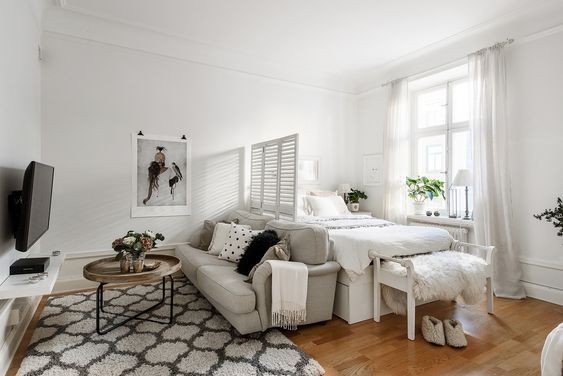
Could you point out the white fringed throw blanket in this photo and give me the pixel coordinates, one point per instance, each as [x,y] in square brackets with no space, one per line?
[289,293]
[438,276]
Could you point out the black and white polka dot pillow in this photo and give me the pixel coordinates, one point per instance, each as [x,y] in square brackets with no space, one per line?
[239,238]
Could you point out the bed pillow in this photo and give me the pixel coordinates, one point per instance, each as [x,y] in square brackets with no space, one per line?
[280,251]
[322,193]
[238,239]
[256,250]
[329,206]
[220,236]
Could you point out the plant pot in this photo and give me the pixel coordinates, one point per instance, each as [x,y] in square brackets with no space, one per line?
[139,263]
[354,206]
[418,207]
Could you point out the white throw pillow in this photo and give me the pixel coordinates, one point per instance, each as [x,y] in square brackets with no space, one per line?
[220,236]
[238,239]
[329,206]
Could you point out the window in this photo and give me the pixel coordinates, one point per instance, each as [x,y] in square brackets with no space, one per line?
[441,138]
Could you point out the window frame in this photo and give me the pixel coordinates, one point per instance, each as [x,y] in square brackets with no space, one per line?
[447,129]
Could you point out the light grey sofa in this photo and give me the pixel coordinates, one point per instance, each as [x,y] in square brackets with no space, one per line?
[247,306]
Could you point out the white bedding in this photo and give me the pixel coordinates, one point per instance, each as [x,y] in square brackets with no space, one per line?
[354,236]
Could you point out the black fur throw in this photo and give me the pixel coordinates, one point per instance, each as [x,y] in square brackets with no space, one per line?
[256,250]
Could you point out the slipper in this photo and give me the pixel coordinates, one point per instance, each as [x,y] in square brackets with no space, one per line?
[454,333]
[433,330]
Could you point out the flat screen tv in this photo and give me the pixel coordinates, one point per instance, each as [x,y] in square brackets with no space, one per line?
[32,205]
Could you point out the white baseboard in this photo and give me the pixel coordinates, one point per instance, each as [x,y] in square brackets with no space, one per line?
[13,339]
[545,293]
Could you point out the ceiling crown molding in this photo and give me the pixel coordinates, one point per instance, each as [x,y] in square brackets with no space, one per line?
[68,20]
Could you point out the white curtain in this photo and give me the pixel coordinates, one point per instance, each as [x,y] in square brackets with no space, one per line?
[492,198]
[396,153]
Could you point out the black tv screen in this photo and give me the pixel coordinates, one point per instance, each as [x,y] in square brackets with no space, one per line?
[35,205]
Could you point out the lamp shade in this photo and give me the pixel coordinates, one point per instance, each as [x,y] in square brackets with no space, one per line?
[344,188]
[463,178]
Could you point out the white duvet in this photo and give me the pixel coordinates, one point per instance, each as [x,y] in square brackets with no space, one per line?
[355,236]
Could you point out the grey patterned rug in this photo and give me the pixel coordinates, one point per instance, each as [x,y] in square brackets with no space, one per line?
[200,341]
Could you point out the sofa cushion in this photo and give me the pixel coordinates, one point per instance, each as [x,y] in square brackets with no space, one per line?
[255,221]
[309,243]
[192,258]
[224,285]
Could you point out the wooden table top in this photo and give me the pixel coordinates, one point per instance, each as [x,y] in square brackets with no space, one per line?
[107,270]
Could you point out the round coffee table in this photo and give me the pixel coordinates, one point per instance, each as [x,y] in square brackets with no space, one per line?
[107,270]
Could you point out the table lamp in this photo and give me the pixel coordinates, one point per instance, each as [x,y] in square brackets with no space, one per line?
[463,178]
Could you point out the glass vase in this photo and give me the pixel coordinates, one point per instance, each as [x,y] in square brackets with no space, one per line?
[138,262]
[125,263]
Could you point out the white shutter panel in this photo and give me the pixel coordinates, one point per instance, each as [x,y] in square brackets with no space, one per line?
[273,184]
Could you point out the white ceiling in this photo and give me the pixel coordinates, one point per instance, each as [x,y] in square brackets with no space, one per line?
[342,37]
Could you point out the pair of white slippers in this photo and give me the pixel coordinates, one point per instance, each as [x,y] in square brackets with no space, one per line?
[440,333]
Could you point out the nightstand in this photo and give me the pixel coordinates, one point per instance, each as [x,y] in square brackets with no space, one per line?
[361,213]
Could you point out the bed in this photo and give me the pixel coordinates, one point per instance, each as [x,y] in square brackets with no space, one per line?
[353,236]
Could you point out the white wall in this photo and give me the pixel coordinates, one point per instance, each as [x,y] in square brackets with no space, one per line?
[20,136]
[372,114]
[95,95]
[535,114]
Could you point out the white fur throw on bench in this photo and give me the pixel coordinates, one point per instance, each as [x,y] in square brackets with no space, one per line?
[438,276]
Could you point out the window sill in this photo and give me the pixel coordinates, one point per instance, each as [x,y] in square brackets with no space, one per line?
[446,221]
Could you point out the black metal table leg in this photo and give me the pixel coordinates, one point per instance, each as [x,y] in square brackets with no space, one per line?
[100,308]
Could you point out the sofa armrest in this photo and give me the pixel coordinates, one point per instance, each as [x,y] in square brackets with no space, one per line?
[262,285]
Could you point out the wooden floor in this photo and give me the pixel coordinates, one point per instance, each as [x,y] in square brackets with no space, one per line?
[507,343]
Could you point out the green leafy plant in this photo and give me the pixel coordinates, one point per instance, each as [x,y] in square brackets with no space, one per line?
[135,243]
[421,188]
[554,216]
[354,196]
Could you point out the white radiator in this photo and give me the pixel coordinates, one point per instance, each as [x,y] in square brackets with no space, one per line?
[458,233]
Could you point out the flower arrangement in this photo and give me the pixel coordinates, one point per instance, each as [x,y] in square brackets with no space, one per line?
[135,243]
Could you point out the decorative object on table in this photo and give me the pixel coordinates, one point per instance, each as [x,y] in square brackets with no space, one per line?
[452,202]
[308,172]
[464,178]
[429,213]
[161,181]
[421,188]
[344,189]
[198,342]
[554,216]
[436,213]
[354,197]
[373,167]
[106,271]
[132,247]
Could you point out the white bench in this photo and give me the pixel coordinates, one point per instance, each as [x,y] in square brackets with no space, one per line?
[405,283]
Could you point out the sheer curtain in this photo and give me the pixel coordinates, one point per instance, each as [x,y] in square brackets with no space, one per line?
[396,153]
[493,207]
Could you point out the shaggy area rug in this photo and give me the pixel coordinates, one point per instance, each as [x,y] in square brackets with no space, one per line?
[200,341]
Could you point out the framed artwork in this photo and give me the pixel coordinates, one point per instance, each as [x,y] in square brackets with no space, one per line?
[373,168]
[161,176]
[309,170]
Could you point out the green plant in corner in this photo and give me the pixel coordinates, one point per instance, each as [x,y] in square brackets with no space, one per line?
[554,216]
[354,196]
[421,188]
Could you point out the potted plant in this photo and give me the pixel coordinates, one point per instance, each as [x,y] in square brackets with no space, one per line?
[354,197]
[132,247]
[554,216]
[421,188]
